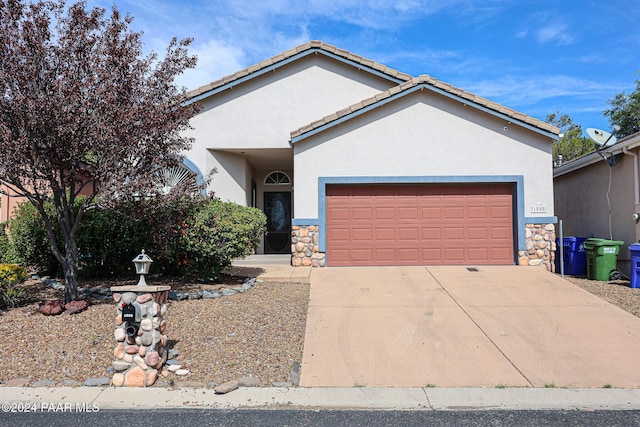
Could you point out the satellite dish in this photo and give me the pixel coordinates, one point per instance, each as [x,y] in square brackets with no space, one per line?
[601,137]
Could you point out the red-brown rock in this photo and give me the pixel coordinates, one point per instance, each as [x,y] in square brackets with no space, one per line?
[132,349]
[74,307]
[152,358]
[52,307]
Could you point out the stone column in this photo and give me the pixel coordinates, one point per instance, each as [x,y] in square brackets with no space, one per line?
[139,358]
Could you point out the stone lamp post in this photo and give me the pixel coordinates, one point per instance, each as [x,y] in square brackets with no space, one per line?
[140,336]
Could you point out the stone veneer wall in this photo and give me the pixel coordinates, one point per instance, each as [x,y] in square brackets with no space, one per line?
[541,246]
[304,246]
[139,359]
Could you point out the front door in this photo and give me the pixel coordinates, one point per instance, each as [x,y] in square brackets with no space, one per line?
[277,208]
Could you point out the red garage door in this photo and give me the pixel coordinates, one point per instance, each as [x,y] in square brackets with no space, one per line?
[419,224]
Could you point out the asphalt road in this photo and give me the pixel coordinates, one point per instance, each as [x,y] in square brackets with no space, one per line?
[328,418]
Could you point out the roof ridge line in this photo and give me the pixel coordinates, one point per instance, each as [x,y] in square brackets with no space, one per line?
[312,44]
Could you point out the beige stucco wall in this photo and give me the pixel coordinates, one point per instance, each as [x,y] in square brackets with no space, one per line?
[262,112]
[581,203]
[424,134]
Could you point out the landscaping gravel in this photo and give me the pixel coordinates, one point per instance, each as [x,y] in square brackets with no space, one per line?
[258,333]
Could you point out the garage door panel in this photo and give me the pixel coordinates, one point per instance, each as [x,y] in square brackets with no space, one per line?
[431,233]
[337,214]
[338,234]
[430,213]
[362,214]
[477,233]
[362,234]
[381,213]
[453,233]
[405,213]
[419,224]
[408,234]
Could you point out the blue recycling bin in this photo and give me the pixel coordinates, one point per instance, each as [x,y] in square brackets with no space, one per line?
[574,256]
[635,265]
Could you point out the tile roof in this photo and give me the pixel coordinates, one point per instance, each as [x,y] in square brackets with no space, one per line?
[314,44]
[421,80]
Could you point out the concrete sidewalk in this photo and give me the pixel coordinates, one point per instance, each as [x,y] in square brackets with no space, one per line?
[442,399]
[451,327]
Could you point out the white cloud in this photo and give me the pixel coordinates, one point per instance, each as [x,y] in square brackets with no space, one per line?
[215,59]
[555,33]
[516,90]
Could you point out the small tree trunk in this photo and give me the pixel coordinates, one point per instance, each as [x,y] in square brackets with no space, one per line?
[70,271]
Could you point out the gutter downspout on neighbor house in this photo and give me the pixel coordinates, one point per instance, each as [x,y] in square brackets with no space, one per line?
[636,175]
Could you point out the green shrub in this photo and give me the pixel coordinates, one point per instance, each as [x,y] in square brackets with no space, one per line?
[218,232]
[107,241]
[10,275]
[30,240]
[7,250]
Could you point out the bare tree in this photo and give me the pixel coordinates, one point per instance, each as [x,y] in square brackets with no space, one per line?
[82,110]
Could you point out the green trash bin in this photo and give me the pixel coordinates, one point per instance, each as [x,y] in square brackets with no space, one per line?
[602,258]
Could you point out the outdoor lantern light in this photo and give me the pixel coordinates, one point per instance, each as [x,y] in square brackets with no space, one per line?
[142,263]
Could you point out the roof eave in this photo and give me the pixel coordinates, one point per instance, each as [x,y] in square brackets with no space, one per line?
[630,142]
[299,136]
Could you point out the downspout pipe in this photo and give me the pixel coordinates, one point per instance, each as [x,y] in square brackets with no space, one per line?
[636,174]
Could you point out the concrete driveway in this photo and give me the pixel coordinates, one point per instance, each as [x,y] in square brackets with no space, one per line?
[451,327]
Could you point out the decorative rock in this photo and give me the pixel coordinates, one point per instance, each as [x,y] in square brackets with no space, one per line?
[134,377]
[281,384]
[117,380]
[97,382]
[229,292]
[211,294]
[120,334]
[182,372]
[146,339]
[163,310]
[74,307]
[117,296]
[142,351]
[152,358]
[138,340]
[248,382]
[51,307]
[140,362]
[118,352]
[43,383]
[306,262]
[174,368]
[163,326]
[226,387]
[146,325]
[17,382]
[119,319]
[128,358]
[132,349]
[129,297]
[141,299]
[173,353]
[150,377]
[120,366]
[69,383]
[109,371]
[295,378]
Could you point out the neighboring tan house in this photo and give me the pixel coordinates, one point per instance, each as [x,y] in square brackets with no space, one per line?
[355,163]
[595,197]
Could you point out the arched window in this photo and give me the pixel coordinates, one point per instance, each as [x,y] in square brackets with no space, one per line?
[277,178]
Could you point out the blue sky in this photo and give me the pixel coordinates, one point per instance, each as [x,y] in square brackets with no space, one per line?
[536,56]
